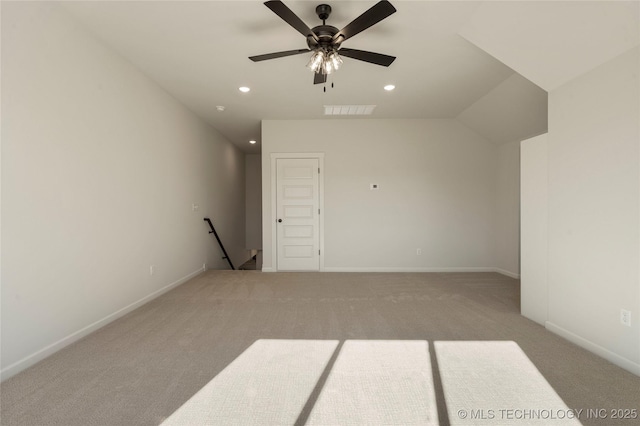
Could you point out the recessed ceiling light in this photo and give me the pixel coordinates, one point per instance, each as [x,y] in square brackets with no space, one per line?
[220,107]
[244,89]
[252,142]
[389,87]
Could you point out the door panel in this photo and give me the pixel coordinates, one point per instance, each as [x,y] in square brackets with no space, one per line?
[297,204]
[298,191]
[291,251]
[298,231]
[297,212]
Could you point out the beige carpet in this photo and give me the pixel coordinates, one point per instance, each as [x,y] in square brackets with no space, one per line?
[243,347]
[268,384]
[377,382]
[494,382]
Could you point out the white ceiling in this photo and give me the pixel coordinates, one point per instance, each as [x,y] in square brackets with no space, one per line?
[552,42]
[198,51]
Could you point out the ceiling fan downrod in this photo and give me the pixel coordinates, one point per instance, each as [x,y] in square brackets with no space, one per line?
[323,11]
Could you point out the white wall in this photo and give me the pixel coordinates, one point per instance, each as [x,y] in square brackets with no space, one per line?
[100,168]
[594,209]
[507,215]
[514,110]
[534,297]
[253,195]
[437,192]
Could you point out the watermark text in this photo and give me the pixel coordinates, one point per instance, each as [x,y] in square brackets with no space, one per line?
[548,414]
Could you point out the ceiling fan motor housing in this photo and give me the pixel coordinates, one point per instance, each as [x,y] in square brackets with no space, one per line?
[324,32]
[325,35]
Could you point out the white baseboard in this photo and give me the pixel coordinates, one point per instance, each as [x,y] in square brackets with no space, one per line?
[32,359]
[507,273]
[612,357]
[419,269]
[409,269]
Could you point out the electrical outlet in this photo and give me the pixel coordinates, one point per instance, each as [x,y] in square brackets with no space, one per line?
[204,266]
[151,269]
[195,207]
[625,317]
[419,252]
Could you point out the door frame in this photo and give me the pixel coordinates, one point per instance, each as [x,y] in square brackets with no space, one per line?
[274,231]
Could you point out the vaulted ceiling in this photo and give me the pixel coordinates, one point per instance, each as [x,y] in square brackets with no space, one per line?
[488,64]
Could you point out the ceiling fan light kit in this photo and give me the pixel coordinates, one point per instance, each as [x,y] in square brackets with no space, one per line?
[324,62]
[324,41]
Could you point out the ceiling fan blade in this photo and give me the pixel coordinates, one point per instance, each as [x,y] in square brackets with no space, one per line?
[371,57]
[375,14]
[319,78]
[290,18]
[275,55]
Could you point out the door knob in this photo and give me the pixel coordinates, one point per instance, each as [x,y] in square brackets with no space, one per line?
[279,220]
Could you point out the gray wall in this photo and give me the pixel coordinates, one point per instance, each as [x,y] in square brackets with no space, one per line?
[594,209]
[534,236]
[581,210]
[507,213]
[438,192]
[100,169]
[253,195]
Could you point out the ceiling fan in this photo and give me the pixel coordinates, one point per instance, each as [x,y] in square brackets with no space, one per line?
[325,40]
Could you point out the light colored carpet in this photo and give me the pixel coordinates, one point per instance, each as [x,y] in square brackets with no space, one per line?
[362,343]
[494,382]
[268,384]
[377,382]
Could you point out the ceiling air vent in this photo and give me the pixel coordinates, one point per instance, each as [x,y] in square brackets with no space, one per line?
[348,109]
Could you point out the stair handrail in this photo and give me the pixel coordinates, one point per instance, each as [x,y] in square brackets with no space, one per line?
[213,231]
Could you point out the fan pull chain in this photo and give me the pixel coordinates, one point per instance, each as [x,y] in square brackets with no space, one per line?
[324,89]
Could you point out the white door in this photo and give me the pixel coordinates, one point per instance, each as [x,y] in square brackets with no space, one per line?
[297,214]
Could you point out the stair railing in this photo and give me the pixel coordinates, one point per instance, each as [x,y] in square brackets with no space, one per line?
[213,231]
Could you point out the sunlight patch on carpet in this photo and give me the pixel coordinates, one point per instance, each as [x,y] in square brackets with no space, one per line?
[268,384]
[495,383]
[324,382]
[378,382]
